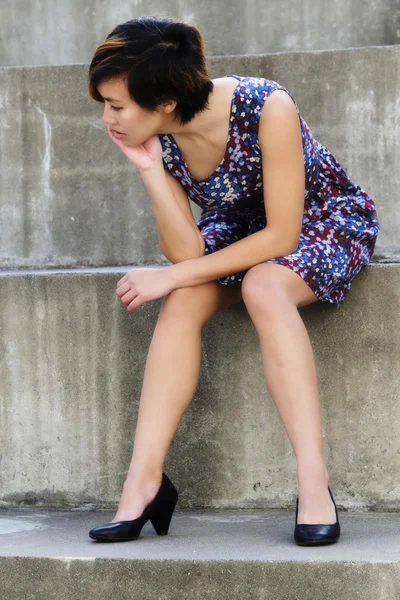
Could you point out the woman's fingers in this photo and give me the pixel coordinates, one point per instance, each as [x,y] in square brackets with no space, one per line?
[122,280]
[122,289]
[126,293]
[128,297]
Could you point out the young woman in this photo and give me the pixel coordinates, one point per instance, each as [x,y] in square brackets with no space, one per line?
[282,226]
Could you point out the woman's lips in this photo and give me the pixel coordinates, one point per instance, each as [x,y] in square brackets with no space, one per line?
[118,134]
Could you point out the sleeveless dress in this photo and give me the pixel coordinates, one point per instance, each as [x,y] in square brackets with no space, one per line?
[340,223]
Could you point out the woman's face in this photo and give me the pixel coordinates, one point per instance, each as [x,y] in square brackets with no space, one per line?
[123,115]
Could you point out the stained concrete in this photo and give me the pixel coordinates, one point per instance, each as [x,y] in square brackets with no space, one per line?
[64,32]
[222,554]
[69,196]
[73,360]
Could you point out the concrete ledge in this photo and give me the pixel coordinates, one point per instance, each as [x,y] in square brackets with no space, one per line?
[70,197]
[221,554]
[41,33]
[73,360]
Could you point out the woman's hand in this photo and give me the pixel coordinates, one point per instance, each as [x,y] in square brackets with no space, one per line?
[143,156]
[141,285]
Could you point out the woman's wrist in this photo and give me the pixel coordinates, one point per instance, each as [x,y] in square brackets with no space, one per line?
[181,272]
[154,169]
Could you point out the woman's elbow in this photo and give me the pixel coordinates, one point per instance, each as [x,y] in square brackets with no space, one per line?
[175,257]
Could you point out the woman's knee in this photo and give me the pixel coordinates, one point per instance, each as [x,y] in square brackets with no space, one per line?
[271,285]
[195,303]
[263,288]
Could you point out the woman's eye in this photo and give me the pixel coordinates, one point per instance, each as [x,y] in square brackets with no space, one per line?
[116,107]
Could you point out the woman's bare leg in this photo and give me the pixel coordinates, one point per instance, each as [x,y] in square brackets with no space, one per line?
[272,296]
[170,380]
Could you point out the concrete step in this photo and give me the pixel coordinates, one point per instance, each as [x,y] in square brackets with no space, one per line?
[70,197]
[224,554]
[72,364]
[228,27]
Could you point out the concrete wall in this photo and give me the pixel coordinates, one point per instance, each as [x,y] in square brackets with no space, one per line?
[48,32]
[72,364]
[70,197]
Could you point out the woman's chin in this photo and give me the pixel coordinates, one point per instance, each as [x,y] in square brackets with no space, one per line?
[127,141]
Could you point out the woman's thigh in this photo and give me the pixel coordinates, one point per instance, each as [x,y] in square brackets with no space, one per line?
[200,302]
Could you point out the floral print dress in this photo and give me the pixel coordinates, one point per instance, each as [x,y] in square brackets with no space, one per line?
[340,223]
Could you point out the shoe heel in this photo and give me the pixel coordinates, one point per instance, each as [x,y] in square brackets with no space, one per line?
[162,519]
[316,534]
[158,512]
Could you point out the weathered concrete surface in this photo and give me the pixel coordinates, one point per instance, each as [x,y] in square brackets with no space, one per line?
[70,197]
[72,367]
[64,32]
[220,554]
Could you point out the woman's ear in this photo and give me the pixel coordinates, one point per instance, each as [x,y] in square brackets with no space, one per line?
[168,106]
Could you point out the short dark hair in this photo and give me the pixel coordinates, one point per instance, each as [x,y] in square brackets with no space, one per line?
[160,59]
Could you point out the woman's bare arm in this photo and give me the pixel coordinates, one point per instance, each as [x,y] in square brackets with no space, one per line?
[179,236]
[280,139]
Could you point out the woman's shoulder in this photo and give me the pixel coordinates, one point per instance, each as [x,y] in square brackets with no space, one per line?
[252,82]
[253,92]
[260,87]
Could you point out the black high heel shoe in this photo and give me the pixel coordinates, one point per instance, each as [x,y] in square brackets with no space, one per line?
[316,534]
[158,512]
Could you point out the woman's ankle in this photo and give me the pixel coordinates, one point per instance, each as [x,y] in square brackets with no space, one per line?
[144,481]
[312,473]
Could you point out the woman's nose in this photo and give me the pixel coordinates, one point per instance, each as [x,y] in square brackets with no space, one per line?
[107,120]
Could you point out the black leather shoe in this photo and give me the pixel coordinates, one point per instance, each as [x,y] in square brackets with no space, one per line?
[316,534]
[158,512]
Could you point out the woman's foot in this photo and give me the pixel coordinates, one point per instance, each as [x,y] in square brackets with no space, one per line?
[135,498]
[315,502]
